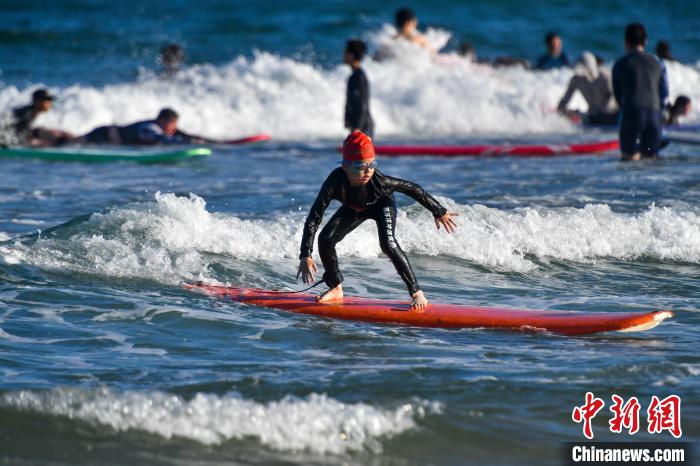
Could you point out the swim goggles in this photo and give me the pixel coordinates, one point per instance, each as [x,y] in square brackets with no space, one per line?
[361,166]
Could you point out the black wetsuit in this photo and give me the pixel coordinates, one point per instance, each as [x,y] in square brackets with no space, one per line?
[23,119]
[357,104]
[139,133]
[374,200]
[639,88]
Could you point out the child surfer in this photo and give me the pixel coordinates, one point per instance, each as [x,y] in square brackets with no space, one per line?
[366,193]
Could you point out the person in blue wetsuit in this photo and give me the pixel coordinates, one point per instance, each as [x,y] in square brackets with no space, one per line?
[555,56]
[162,130]
[366,194]
[639,89]
[357,116]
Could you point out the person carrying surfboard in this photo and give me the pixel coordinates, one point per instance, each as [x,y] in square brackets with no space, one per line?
[365,193]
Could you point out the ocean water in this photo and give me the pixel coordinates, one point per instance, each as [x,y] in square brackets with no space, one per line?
[106,359]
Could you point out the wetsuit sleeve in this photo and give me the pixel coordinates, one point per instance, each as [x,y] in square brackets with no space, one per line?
[357,102]
[567,96]
[313,220]
[417,193]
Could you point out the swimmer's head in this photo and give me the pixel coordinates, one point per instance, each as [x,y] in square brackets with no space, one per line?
[554,43]
[359,160]
[167,120]
[42,100]
[406,20]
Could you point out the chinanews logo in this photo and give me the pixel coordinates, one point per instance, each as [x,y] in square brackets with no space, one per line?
[662,415]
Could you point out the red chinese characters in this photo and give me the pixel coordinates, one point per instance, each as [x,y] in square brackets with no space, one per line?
[665,415]
[662,415]
[625,415]
[587,412]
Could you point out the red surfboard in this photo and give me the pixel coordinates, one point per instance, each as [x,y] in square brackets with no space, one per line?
[442,315]
[249,139]
[498,150]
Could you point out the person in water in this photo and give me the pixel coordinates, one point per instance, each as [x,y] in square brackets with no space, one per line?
[365,193]
[681,107]
[23,119]
[357,116]
[555,56]
[639,89]
[663,51]
[162,130]
[407,28]
[171,58]
[595,85]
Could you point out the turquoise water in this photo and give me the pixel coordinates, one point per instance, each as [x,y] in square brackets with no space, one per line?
[106,359]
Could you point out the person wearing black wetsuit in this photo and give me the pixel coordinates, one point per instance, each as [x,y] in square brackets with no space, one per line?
[162,130]
[357,116]
[365,193]
[639,88]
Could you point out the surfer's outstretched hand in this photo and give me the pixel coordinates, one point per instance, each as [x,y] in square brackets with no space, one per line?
[447,222]
[307,270]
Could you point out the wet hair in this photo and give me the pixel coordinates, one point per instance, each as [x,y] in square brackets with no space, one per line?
[356,48]
[41,95]
[549,38]
[663,50]
[635,34]
[403,17]
[681,102]
[167,114]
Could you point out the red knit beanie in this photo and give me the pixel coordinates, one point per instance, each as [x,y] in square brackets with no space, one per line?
[357,146]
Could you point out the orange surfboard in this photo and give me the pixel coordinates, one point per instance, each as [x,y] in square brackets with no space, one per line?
[442,315]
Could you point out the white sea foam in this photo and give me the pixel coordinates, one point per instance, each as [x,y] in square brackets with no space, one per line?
[172,239]
[317,423]
[417,96]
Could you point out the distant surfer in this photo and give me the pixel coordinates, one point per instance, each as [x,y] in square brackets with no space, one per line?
[23,119]
[171,58]
[365,193]
[681,107]
[162,130]
[639,89]
[595,85]
[357,116]
[555,56]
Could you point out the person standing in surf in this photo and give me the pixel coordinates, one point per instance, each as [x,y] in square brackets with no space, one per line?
[357,116]
[639,88]
[366,193]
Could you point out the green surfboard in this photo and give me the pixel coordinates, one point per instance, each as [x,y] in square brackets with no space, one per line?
[90,154]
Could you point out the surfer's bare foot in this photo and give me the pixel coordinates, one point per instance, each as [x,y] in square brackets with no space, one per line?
[419,301]
[333,295]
